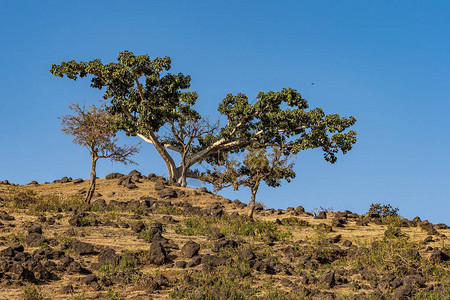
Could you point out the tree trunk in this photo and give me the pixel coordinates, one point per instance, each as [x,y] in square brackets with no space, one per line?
[251,204]
[173,170]
[91,190]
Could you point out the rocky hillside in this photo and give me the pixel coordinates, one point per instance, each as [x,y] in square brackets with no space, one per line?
[144,239]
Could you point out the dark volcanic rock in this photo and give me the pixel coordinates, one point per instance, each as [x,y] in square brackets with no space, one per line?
[34,229]
[138,226]
[217,245]
[35,239]
[114,176]
[190,249]
[108,257]
[328,278]
[5,216]
[82,248]
[438,256]
[158,254]
[322,215]
[77,181]
[239,204]
[167,193]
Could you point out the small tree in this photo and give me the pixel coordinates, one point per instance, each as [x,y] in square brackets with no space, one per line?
[257,166]
[93,128]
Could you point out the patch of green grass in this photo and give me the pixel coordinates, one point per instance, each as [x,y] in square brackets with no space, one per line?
[167,209]
[32,292]
[113,295]
[231,226]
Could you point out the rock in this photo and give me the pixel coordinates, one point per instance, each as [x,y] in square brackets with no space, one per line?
[158,254]
[239,204]
[138,226]
[322,215]
[181,264]
[79,220]
[428,239]
[437,256]
[21,272]
[99,203]
[217,245]
[75,267]
[190,249]
[159,185]
[362,222]
[67,289]
[262,266]
[441,226]
[415,280]
[126,182]
[428,228]
[403,292]
[35,239]
[34,229]
[5,216]
[82,191]
[40,272]
[82,248]
[108,257]
[347,243]
[195,261]
[77,181]
[89,278]
[12,251]
[95,286]
[300,209]
[110,224]
[338,222]
[34,182]
[328,278]
[335,239]
[247,254]
[167,193]
[105,281]
[161,280]
[114,176]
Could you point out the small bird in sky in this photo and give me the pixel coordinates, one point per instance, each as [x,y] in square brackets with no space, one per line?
[312,83]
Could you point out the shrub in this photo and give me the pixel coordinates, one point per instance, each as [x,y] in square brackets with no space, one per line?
[385,210]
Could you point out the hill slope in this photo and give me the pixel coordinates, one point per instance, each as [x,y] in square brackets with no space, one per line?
[145,239]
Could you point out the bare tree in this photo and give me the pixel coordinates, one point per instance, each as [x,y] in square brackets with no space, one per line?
[94,129]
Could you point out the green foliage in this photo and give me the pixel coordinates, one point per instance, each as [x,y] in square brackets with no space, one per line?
[394,254]
[145,97]
[32,292]
[230,226]
[113,295]
[40,204]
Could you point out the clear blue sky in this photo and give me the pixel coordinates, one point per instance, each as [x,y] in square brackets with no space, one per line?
[385,62]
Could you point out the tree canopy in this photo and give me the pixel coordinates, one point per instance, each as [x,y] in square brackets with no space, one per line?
[145,97]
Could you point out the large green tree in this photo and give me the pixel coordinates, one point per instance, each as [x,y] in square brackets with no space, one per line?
[156,106]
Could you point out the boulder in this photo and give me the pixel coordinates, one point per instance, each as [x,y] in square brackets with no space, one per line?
[82,248]
[328,278]
[167,193]
[114,176]
[108,257]
[35,239]
[190,249]
[157,253]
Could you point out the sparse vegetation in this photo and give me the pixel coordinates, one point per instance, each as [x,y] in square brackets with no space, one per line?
[210,250]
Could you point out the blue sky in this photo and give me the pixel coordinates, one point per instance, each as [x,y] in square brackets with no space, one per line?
[385,62]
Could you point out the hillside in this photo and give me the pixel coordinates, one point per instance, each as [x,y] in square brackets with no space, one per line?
[146,239]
